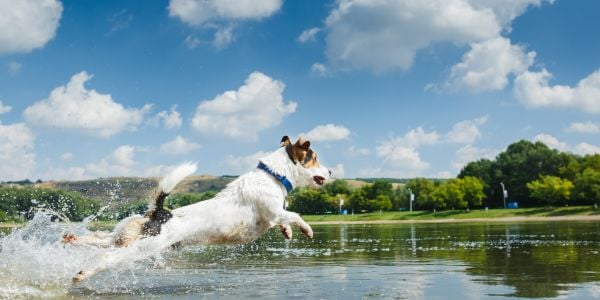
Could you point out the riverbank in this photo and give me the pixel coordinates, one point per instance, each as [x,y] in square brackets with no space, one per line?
[571,213]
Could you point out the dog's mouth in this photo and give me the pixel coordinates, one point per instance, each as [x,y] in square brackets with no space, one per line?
[319,180]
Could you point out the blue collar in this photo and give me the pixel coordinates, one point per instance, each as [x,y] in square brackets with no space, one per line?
[282,179]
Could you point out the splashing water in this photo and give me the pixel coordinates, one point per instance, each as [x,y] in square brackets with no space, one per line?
[35,262]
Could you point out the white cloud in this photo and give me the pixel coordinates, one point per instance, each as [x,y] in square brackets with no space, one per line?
[75,107]
[386,35]
[67,156]
[119,21]
[179,145]
[14,68]
[243,164]
[192,42]
[353,151]
[466,131]
[338,171]
[221,14]
[308,35]
[401,158]
[27,24]
[319,69]
[120,162]
[587,127]
[329,132]
[255,106]
[487,65]
[417,137]
[533,90]
[17,159]
[469,153]
[223,37]
[587,149]
[171,120]
[551,142]
[4,108]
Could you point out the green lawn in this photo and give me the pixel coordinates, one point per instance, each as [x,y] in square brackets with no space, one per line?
[459,214]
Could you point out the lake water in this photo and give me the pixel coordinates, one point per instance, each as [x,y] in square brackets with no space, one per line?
[400,261]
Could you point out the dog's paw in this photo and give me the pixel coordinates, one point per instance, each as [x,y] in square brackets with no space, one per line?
[286,230]
[307,232]
[79,277]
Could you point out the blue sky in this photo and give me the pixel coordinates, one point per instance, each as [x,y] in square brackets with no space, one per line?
[382,88]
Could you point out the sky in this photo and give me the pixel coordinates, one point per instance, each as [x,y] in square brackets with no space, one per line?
[382,88]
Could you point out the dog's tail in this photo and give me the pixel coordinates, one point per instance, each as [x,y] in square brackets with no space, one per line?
[167,184]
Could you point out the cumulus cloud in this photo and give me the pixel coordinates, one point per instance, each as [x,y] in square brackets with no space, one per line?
[221,14]
[551,142]
[329,132]
[27,24]
[488,64]
[255,106]
[170,119]
[120,162]
[243,164]
[401,158]
[580,127]
[533,90]
[354,151]
[554,143]
[587,149]
[338,171]
[386,35]
[469,153]
[4,108]
[73,106]
[467,131]
[17,157]
[179,145]
[308,35]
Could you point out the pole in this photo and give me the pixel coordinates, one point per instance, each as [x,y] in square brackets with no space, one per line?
[503,194]
[411,198]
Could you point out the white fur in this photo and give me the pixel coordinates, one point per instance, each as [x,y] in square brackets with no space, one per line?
[241,213]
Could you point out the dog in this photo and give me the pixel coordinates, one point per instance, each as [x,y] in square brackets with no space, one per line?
[239,214]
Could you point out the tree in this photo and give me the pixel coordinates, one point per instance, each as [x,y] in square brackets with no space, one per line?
[485,171]
[312,201]
[473,190]
[551,189]
[587,186]
[337,187]
[358,200]
[381,202]
[422,189]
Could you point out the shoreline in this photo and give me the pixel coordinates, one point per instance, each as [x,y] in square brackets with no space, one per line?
[468,220]
[444,220]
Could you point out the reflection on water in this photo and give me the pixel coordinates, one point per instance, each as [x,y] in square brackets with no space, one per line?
[407,261]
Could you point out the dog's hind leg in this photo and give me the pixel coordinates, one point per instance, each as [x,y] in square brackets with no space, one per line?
[285,217]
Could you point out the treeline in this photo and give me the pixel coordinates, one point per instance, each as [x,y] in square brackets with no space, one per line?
[20,203]
[459,193]
[535,175]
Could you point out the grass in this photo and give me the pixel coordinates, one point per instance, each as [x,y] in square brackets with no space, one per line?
[459,214]
[419,215]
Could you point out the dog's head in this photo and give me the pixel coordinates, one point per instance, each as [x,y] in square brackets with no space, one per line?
[309,172]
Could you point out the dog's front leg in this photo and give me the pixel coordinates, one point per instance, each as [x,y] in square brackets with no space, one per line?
[285,217]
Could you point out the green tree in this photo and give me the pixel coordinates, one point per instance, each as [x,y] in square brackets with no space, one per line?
[312,201]
[472,188]
[422,189]
[551,189]
[337,187]
[587,187]
[358,200]
[381,202]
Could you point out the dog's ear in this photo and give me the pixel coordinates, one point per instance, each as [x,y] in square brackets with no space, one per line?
[285,141]
[303,144]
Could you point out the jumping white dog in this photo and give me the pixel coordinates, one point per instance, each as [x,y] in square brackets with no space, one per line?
[240,213]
